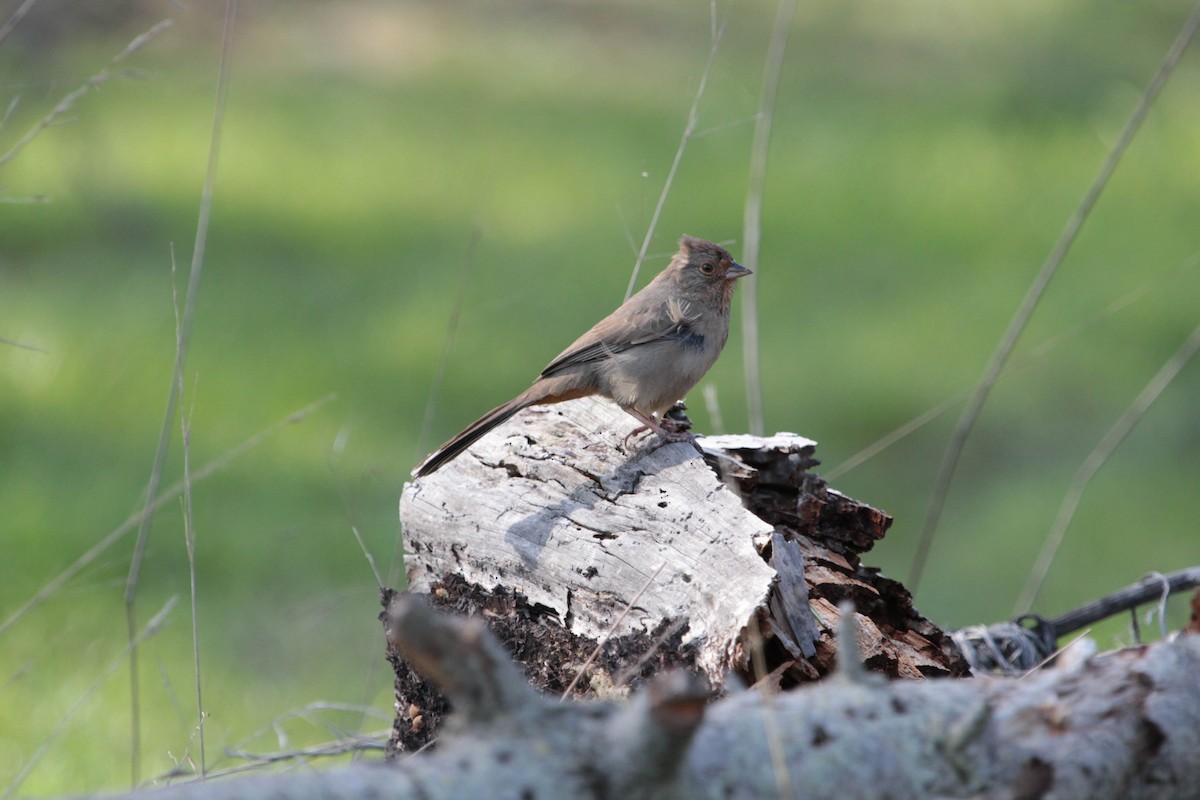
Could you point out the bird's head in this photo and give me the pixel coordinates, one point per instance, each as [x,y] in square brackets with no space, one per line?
[704,270]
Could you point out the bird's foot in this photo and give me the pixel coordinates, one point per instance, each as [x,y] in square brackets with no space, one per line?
[640,429]
[675,430]
[676,417]
[669,430]
[671,435]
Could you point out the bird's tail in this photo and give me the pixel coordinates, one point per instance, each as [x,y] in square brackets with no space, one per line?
[453,448]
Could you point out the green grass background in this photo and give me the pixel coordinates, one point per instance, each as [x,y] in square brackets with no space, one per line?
[925,157]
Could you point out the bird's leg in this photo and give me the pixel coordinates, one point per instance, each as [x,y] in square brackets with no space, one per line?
[631,434]
[649,423]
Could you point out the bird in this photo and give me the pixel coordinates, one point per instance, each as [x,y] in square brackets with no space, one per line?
[644,356]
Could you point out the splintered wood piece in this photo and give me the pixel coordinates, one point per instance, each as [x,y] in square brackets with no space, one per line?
[789,602]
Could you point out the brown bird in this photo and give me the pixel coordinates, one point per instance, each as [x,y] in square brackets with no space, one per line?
[644,356]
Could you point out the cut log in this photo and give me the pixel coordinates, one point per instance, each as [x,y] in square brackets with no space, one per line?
[571,544]
[607,541]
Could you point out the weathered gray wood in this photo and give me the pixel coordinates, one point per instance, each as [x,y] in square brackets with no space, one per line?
[553,505]
[792,618]
[1124,725]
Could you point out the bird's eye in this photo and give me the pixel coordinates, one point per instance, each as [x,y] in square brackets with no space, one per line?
[708,268]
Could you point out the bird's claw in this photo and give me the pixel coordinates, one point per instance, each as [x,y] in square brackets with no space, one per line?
[667,434]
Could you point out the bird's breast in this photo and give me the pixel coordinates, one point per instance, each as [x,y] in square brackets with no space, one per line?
[688,338]
[653,376]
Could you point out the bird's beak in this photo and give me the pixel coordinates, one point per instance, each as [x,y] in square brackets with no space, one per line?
[735,271]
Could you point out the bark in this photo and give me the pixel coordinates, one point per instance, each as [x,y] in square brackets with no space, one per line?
[1120,725]
[551,506]
[570,541]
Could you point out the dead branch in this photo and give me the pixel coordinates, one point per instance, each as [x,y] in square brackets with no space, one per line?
[1121,725]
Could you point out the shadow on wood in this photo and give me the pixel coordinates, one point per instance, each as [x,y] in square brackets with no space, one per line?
[563,541]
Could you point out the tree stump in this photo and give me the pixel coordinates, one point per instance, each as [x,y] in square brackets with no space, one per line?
[577,549]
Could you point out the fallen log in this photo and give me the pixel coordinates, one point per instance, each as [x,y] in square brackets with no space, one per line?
[569,542]
[1120,725]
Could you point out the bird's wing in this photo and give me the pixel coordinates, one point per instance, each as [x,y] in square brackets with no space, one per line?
[627,327]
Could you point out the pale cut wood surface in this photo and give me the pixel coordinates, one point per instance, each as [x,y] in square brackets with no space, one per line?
[583,528]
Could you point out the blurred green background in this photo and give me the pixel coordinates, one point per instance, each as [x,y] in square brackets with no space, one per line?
[925,158]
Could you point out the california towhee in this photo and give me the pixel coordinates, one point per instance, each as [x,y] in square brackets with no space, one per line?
[644,356]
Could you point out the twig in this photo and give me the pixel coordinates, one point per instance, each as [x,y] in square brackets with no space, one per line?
[712,403]
[435,387]
[21,345]
[918,422]
[351,744]
[339,444]
[16,17]
[1016,327]
[208,470]
[152,627]
[27,200]
[1096,459]
[724,126]
[448,341]
[362,544]
[625,229]
[1055,654]
[693,116]
[68,102]
[752,219]
[611,628]
[189,532]
[181,351]
[1140,593]
[1153,586]
[8,112]
[771,732]
[1162,603]
[307,712]
[630,672]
